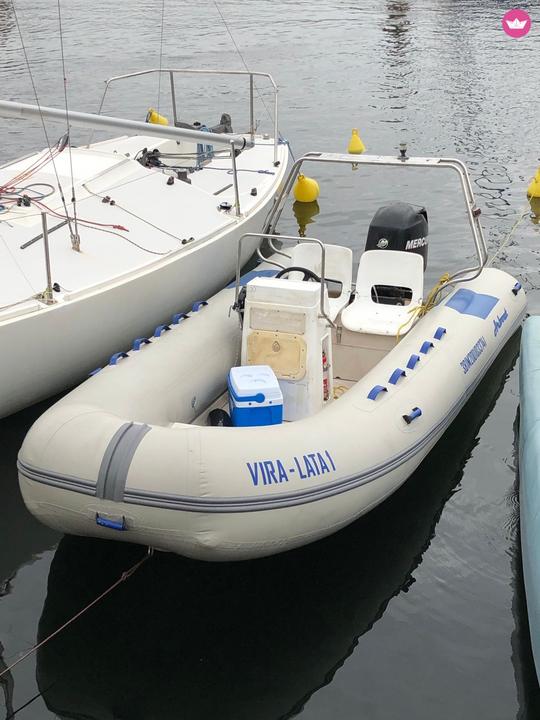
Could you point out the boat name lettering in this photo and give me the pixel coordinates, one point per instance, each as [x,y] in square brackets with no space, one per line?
[416,243]
[269,472]
[472,356]
[499,322]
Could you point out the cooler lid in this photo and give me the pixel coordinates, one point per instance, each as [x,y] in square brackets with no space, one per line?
[255,383]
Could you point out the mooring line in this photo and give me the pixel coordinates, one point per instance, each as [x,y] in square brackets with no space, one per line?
[124,576]
[522,215]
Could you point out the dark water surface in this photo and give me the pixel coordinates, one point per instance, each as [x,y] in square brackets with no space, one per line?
[415,611]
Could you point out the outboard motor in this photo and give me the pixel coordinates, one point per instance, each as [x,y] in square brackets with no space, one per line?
[399,226]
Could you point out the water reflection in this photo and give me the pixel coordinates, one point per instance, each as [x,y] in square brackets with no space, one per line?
[7,20]
[305,214]
[397,26]
[246,640]
[7,685]
[535,210]
[23,537]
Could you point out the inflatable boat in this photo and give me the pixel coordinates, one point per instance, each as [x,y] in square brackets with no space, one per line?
[285,406]
[529,475]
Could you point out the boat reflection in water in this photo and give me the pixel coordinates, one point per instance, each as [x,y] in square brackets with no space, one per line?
[247,640]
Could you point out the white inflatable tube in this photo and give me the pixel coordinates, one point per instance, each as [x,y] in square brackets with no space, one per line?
[118,457]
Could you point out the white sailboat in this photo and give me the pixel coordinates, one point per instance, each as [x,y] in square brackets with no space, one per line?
[158,215]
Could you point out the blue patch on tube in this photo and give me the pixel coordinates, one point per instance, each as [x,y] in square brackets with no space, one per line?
[468,302]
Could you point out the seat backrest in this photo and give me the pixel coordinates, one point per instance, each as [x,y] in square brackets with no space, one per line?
[338,263]
[390,267]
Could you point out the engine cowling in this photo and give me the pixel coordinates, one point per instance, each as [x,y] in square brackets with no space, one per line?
[399,226]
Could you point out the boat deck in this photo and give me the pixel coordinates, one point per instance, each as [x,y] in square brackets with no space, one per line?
[222,402]
[155,219]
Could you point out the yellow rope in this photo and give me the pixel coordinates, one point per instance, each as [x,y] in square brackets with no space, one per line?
[431,300]
[420,310]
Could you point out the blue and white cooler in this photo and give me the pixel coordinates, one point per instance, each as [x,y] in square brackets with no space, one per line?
[255,397]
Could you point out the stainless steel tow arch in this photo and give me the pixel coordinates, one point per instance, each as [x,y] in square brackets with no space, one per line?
[404,161]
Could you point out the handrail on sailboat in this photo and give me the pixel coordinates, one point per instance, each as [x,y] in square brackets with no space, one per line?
[200,71]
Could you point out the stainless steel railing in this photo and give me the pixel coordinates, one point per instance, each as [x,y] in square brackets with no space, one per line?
[286,238]
[402,161]
[171,72]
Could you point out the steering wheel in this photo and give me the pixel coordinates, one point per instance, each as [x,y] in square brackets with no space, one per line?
[308,274]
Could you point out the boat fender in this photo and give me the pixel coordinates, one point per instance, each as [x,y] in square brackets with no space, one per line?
[415,413]
[116,357]
[394,377]
[375,391]
[219,418]
[516,288]
[412,361]
[140,341]
[439,332]
[176,319]
[426,347]
[160,329]
[198,305]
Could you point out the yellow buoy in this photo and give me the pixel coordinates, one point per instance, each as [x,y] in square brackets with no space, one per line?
[356,146]
[306,190]
[155,118]
[533,191]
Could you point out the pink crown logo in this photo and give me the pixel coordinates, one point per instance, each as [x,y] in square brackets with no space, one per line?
[516,23]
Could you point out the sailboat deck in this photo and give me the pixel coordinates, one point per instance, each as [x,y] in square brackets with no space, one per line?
[159,219]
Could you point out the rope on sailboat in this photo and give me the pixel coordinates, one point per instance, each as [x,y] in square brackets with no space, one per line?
[123,577]
[51,156]
[91,223]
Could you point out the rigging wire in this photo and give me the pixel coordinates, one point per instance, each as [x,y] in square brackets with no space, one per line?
[525,212]
[261,98]
[160,52]
[27,61]
[241,57]
[137,217]
[75,239]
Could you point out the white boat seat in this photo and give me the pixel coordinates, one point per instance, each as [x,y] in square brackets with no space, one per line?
[381,271]
[338,271]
